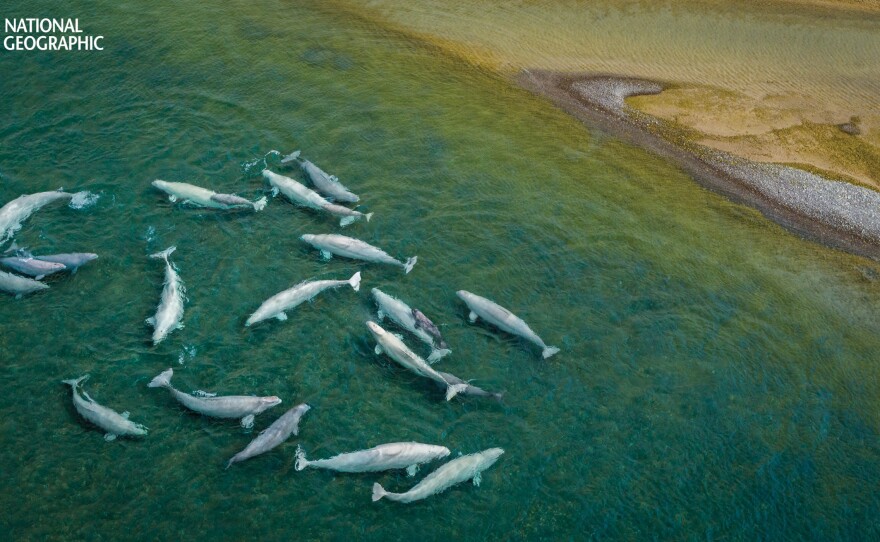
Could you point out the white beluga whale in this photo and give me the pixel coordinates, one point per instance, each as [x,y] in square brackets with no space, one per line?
[503,319]
[275,306]
[404,316]
[203,197]
[349,247]
[18,210]
[71,261]
[390,344]
[169,313]
[112,422]
[395,455]
[28,265]
[306,197]
[328,185]
[458,470]
[19,286]
[243,407]
[272,436]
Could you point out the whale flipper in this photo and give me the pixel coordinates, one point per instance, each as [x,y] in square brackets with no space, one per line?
[150,321]
[126,414]
[248,421]
[380,314]
[109,437]
[326,254]
[472,317]
[281,316]
[378,350]
[275,191]
[478,478]
[172,198]
[412,470]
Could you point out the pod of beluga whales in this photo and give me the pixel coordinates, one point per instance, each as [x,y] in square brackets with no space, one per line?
[170,312]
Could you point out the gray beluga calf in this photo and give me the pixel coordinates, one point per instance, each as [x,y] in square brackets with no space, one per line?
[458,470]
[71,261]
[244,407]
[19,286]
[169,313]
[114,423]
[349,247]
[28,265]
[18,210]
[395,455]
[390,344]
[404,316]
[275,306]
[302,195]
[326,184]
[503,319]
[470,389]
[272,436]
[196,195]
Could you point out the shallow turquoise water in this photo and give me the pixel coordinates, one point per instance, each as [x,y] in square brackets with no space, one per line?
[718,375]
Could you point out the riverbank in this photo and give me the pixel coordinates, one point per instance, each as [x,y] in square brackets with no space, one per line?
[836,213]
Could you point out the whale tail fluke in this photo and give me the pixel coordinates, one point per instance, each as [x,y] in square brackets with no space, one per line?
[410,263]
[301,462]
[378,492]
[355,281]
[454,389]
[74,382]
[164,254]
[234,459]
[368,216]
[290,157]
[436,355]
[260,204]
[549,351]
[163,380]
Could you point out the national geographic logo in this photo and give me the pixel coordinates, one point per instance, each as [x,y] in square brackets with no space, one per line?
[48,35]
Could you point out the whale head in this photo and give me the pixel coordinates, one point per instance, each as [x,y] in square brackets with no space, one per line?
[268,402]
[490,456]
[308,237]
[375,329]
[159,184]
[464,295]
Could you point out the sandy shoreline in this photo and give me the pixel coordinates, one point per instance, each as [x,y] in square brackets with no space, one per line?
[838,214]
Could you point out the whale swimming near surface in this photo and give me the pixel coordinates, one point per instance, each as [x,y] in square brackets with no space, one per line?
[114,423]
[395,455]
[28,265]
[71,261]
[503,319]
[18,210]
[413,321]
[399,352]
[447,475]
[203,197]
[169,313]
[349,247]
[302,195]
[272,436]
[245,407]
[328,185]
[19,286]
[275,306]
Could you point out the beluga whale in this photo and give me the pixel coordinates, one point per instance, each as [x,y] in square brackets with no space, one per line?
[169,313]
[348,247]
[503,319]
[275,306]
[71,261]
[203,197]
[306,197]
[272,436]
[460,469]
[413,321]
[114,423]
[34,267]
[18,210]
[19,286]
[390,344]
[395,455]
[244,407]
[328,185]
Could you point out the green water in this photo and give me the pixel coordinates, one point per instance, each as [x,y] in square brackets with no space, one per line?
[717,377]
